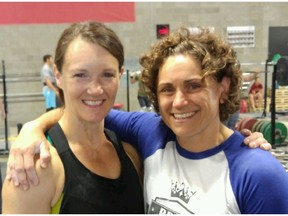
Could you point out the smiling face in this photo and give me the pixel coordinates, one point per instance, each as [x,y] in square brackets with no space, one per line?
[188,105]
[89,79]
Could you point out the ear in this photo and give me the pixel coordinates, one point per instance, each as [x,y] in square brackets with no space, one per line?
[225,87]
[58,76]
[121,72]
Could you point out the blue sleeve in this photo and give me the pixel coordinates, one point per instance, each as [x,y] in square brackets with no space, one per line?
[260,182]
[137,128]
[122,124]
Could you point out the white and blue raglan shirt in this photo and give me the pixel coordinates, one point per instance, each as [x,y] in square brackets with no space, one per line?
[230,178]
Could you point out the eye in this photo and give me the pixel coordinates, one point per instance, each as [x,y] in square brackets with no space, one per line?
[166,90]
[108,74]
[191,86]
[80,75]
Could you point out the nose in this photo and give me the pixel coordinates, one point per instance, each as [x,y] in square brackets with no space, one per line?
[95,88]
[180,99]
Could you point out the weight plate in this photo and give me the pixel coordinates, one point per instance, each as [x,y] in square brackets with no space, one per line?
[254,128]
[249,123]
[280,133]
[283,132]
[265,131]
[242,126]
[259,125]
[263,126]
[237,125]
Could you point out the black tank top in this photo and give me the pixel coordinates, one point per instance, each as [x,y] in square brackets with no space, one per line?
[87,192]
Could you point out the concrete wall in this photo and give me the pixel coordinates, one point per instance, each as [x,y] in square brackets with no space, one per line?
[22,46]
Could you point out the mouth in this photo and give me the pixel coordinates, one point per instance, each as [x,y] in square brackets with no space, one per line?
[93,102]
[182,116]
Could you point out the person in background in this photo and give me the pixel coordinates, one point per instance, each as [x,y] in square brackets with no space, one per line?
[90,171]
[256,94]
[234,117]
[192,162]
[142,96]
[49,90]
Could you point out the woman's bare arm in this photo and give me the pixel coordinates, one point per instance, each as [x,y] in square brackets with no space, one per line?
[38,199]
[30,141]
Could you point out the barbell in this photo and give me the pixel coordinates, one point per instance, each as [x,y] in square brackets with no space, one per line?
[282,69]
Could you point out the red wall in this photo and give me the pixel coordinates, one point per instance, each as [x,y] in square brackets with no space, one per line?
[65,12]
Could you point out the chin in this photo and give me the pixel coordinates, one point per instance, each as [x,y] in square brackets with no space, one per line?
[93,118]
[178,131]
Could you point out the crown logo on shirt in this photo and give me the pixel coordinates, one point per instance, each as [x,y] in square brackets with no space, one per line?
[180,191]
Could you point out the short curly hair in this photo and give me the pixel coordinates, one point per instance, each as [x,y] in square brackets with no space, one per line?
[217,59]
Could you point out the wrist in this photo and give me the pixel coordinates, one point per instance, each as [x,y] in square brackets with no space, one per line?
[33,125]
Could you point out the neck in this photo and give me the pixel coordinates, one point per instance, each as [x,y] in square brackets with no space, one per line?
[205,140]
[83,132]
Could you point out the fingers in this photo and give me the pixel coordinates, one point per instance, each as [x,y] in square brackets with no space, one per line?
[8,169]
[256,140]
[21,164]
[21,161]
[24,165]
[29,166]
[266,146]
[41,148]
[15,169]
[45,156]
[246,132]
[257,143]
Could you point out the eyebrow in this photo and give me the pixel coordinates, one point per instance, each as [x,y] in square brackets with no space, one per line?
[83,69]
[185,82]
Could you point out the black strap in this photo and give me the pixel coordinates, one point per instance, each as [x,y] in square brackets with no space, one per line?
[59,140]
